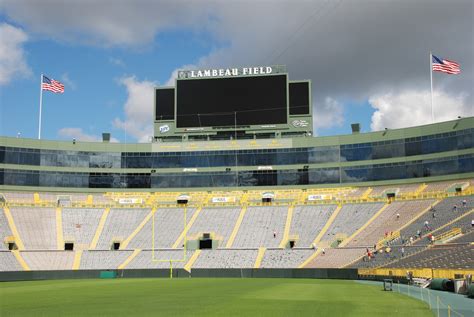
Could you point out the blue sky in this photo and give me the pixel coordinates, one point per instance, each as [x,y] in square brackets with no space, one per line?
[368,62]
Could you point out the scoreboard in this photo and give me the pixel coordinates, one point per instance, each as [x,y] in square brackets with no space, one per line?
[253,101]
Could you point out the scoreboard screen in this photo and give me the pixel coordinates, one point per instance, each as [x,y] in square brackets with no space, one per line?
[299,98]
[232,101]
[164,104]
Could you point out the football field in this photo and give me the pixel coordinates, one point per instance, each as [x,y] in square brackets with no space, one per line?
[203,297]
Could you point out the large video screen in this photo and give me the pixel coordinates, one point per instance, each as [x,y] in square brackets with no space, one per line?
[164,104]
[299,98]
[231,101]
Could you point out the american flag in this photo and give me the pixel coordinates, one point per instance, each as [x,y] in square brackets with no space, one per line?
[52,85]
[445,66]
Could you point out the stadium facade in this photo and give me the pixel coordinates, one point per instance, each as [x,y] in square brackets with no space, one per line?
[434,152]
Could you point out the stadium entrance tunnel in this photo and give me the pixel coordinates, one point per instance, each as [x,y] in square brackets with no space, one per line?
[68,246]
[205,244]
[115,246]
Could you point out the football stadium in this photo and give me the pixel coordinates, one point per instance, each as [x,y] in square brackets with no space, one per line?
[236,208]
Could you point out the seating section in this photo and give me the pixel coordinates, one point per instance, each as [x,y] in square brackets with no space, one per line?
[258,226]
[308,221]
[48,260]
[226,258]
[80,225]
[18,197]
[391,219]
[398,189]
[4,230]
[103,260]
[8,262]
[350,218]
[261,226]
[337,257]
[36,227]
[290,258]
[457,257]
[221,221]
[160,259]
[466,238]
[119,225]
[443,213]
[169,224]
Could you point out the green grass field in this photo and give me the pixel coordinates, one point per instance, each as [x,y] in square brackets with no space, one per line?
[203,297]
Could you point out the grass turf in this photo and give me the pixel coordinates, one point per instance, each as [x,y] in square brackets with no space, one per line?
[203,297]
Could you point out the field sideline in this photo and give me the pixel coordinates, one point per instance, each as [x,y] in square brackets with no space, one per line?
[203,297]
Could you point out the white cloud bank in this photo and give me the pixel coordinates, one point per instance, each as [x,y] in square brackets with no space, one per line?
[12,55]
[411,108]
[80,135]
[138,109]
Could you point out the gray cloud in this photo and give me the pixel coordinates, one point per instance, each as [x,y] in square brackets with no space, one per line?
[351,50]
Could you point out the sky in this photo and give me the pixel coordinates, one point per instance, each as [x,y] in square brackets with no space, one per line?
[368,60]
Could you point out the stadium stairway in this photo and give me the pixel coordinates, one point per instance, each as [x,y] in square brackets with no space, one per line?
[236,227]
[125,243]
[59,229]
[20,260]
[186,229]
[129,259]
[258,260]
[191,261]
[349,239]
[99,229]
[77,260]
[327,225]
[286,232]
[13,228]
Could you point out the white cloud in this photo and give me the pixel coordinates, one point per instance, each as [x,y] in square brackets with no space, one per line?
[12,55]
[138,109]
[411,108]
[103,23]
[68,82]
[328,113]
[80,135]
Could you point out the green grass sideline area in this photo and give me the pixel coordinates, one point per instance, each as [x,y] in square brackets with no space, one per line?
[204,297]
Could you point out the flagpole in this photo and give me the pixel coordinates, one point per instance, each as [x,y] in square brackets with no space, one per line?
[41,107]
[431,81]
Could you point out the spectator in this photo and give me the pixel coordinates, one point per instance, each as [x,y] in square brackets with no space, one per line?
[398,216]
[434,214]
[472,223]
[323,251]
[274,234]
[427,225]
[403,252]
[464,203]
[455,207]
[411,240]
